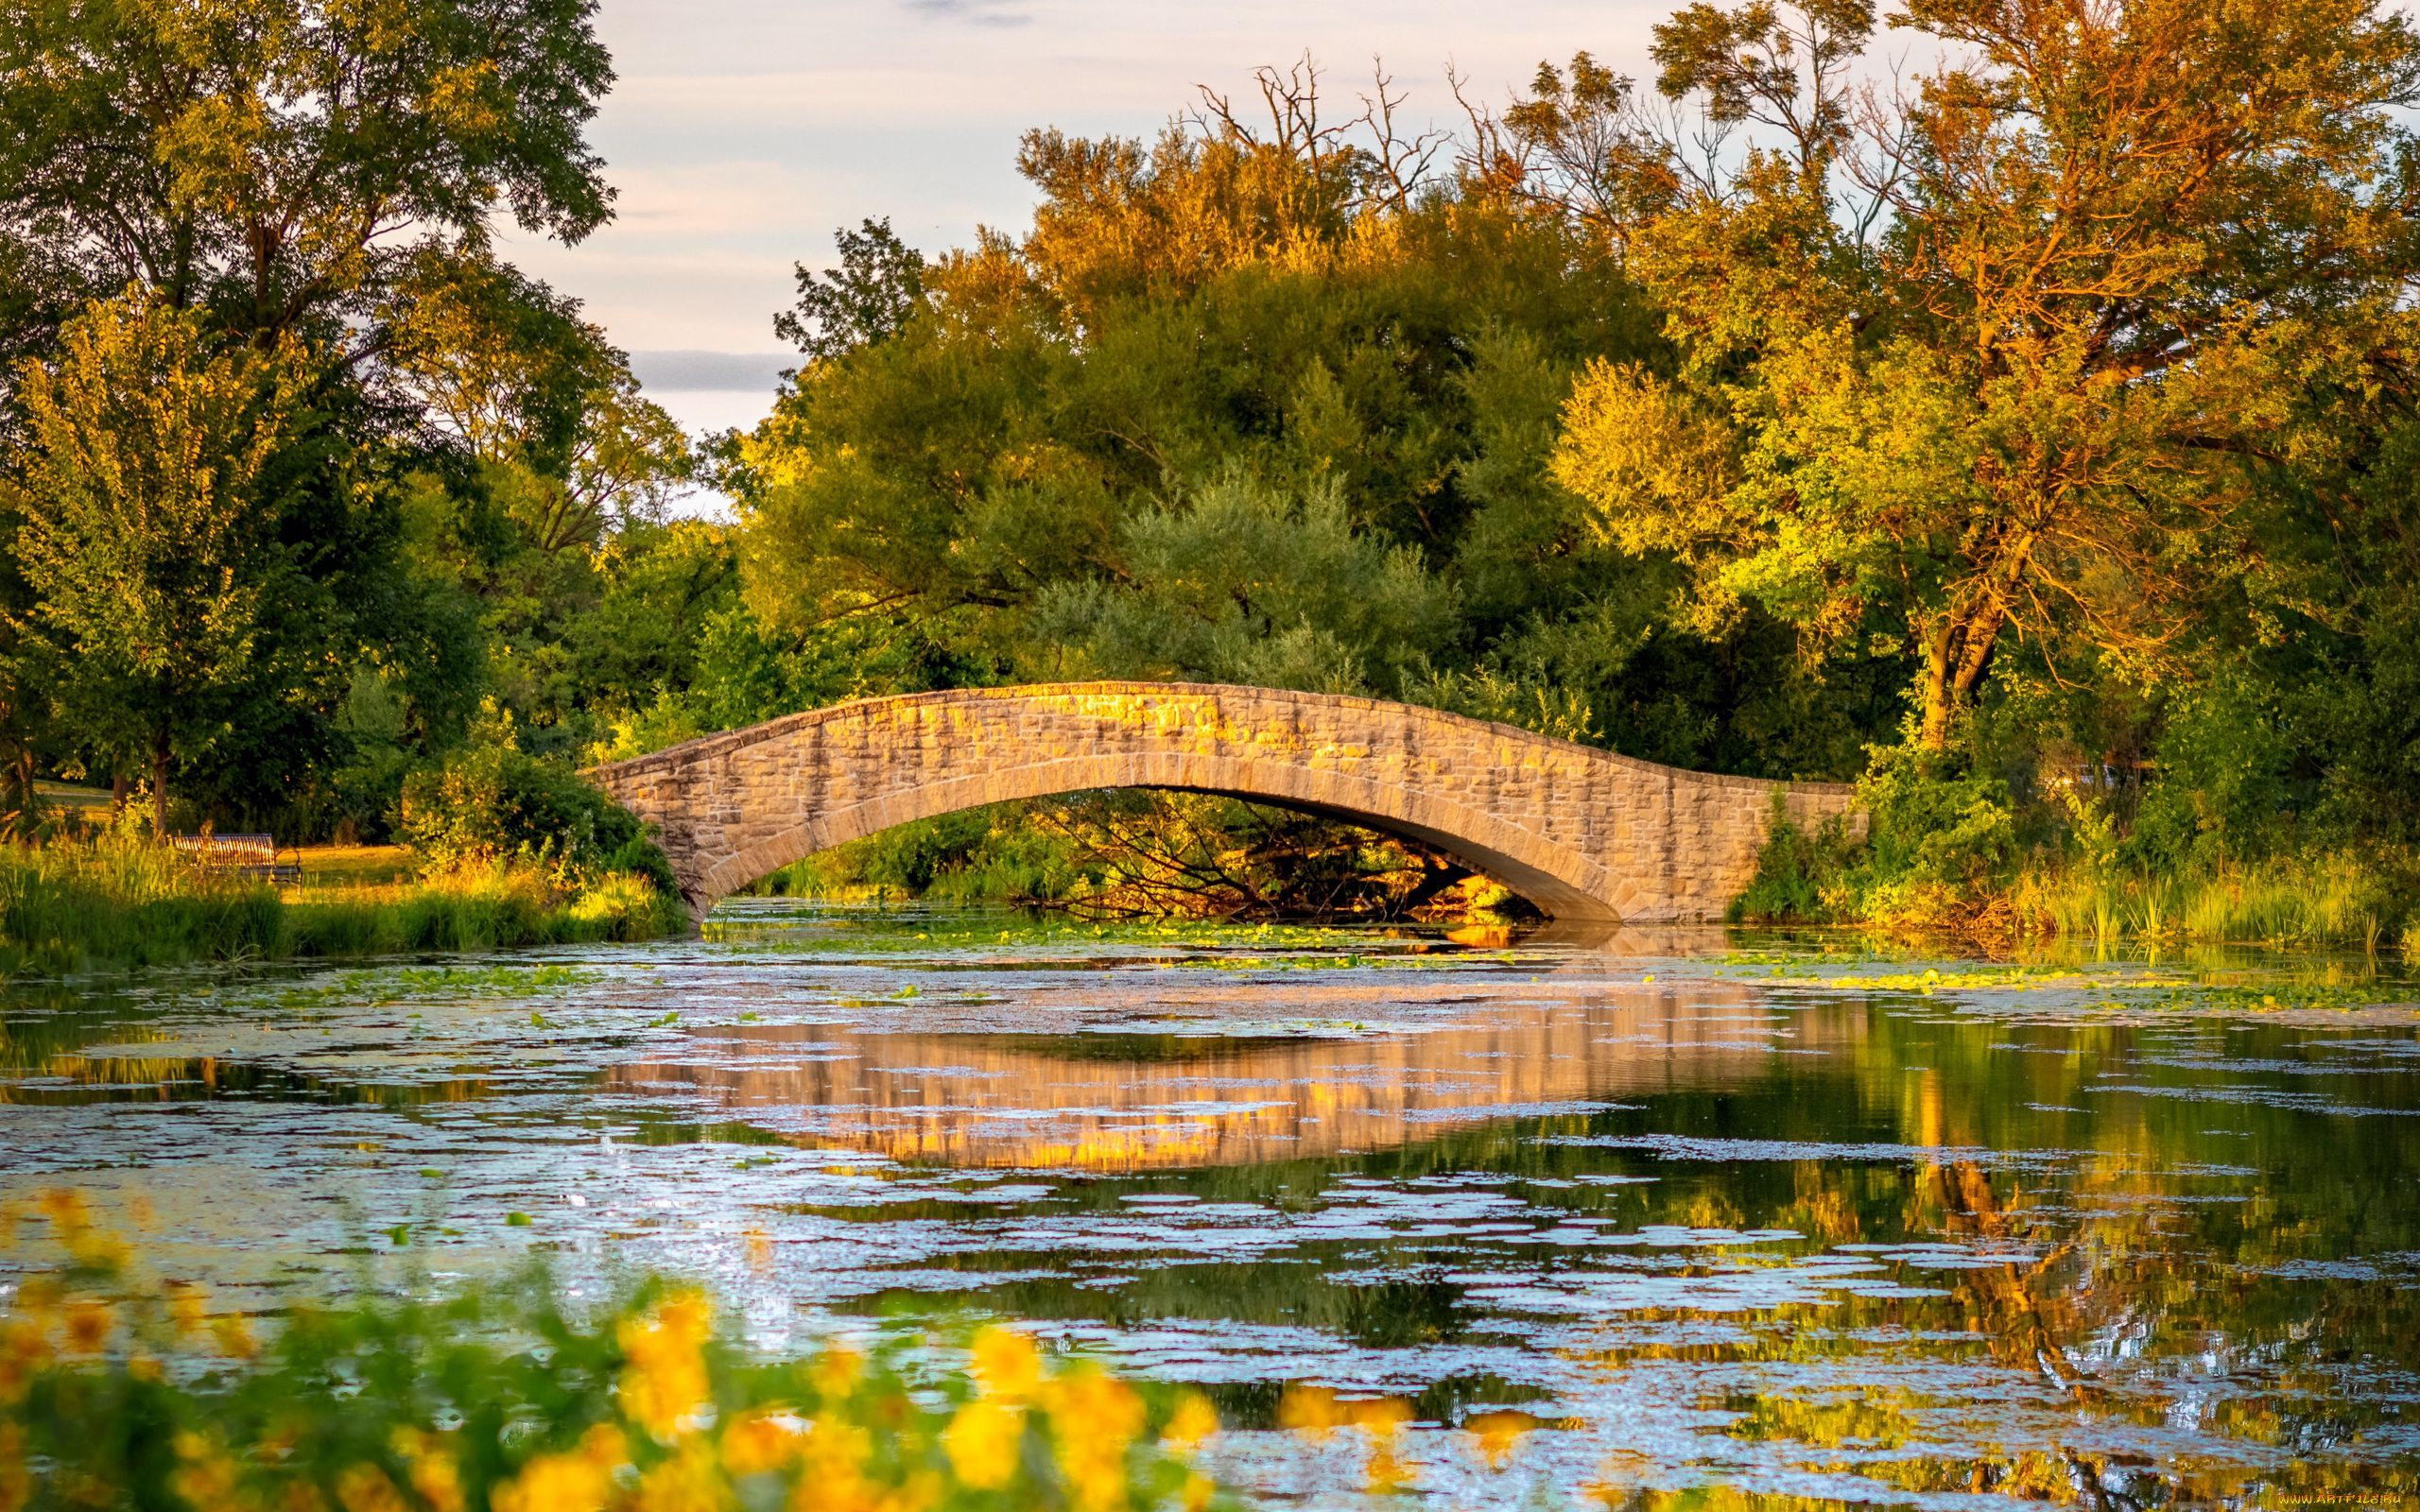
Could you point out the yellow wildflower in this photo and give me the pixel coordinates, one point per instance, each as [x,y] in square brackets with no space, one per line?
[208,1479]
[1095,1418]
[832,1470]
[1007,1364]
[430,1469]
[689,1480]
[664,1381]
[366,1489]
[65,1209]
[982,1440]
[1381,1416]
[1199,1490]
[1194,1420]
[766,1439]
[234,1335]
[89,1325]
[187,1307]
[25,1351]
[578,1480]
[837,1372]
[1308,1410]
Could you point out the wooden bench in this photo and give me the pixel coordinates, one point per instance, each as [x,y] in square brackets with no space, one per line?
[248,856]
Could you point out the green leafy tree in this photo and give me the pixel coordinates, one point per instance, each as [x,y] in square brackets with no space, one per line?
[267,161]
[878,285]
[144,537]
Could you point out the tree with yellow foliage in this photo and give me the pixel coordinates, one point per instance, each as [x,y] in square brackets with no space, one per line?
[1998,359]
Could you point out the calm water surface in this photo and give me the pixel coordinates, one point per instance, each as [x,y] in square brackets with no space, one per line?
[1665,1214]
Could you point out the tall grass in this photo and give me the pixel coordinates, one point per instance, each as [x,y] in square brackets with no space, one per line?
[113,903]
[2337,898]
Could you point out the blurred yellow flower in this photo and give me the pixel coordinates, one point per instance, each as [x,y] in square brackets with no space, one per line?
[89,1325]
[187,1306]
[1308,1410]
[689,1480]
[24,1349]
[366,1489]
[664,1381]
[1194,1420]
[838,1371]
[765,1439]
[207,1478]
[1006,1364]
[1095,1419]
[429,1466]
[578,1480]
[982,1440]
[234,1336]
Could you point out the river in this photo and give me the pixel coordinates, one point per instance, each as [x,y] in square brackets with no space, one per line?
[1666,1212]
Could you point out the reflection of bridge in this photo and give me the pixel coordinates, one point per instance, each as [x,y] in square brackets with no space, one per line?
[1582,833]
[1214,1094]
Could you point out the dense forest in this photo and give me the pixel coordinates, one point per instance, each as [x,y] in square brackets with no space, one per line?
[2025,433]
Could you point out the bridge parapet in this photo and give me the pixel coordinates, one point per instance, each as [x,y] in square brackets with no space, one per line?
[1583,834]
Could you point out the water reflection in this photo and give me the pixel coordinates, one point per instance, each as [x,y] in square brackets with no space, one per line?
[1123,1100]
[1501,1228]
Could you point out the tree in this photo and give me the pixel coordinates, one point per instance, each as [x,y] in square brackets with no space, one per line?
[507,370]
[144,537]
[880,284]
[274,162]
[2029,404]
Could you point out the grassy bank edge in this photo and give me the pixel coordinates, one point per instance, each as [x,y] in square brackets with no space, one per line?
[2334,897]
[113,904]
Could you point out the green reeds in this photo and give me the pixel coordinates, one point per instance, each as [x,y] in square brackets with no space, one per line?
[113,902]
[2338,898]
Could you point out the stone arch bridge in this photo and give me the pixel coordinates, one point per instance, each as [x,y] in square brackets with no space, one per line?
[1585,834]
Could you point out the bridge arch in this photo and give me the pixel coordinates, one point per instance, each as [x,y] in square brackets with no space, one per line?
[1582,833]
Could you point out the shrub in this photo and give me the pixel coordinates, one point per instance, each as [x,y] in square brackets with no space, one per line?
[493,802]
[1932,830]
[1801,874]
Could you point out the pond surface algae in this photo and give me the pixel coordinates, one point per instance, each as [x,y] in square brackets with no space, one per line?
[1592,1228]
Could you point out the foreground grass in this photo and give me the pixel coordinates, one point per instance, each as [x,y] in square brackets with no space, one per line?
[73,906]
[114,1394]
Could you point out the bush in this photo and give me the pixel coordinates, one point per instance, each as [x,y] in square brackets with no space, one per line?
[133,1396]
[493,802]
[1801,874]
[1931,829]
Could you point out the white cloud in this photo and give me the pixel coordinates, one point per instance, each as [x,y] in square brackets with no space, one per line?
[744,130]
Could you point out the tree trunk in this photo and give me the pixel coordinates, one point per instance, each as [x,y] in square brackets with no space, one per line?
[1937,695]
[160,792]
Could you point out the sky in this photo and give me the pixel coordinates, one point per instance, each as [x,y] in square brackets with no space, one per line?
[742,133]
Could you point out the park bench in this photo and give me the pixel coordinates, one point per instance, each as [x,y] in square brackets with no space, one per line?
[248,856]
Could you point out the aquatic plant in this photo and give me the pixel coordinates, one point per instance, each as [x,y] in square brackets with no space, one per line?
[115,1393]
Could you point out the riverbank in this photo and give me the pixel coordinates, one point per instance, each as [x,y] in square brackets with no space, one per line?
[2338,896]
[77,905]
